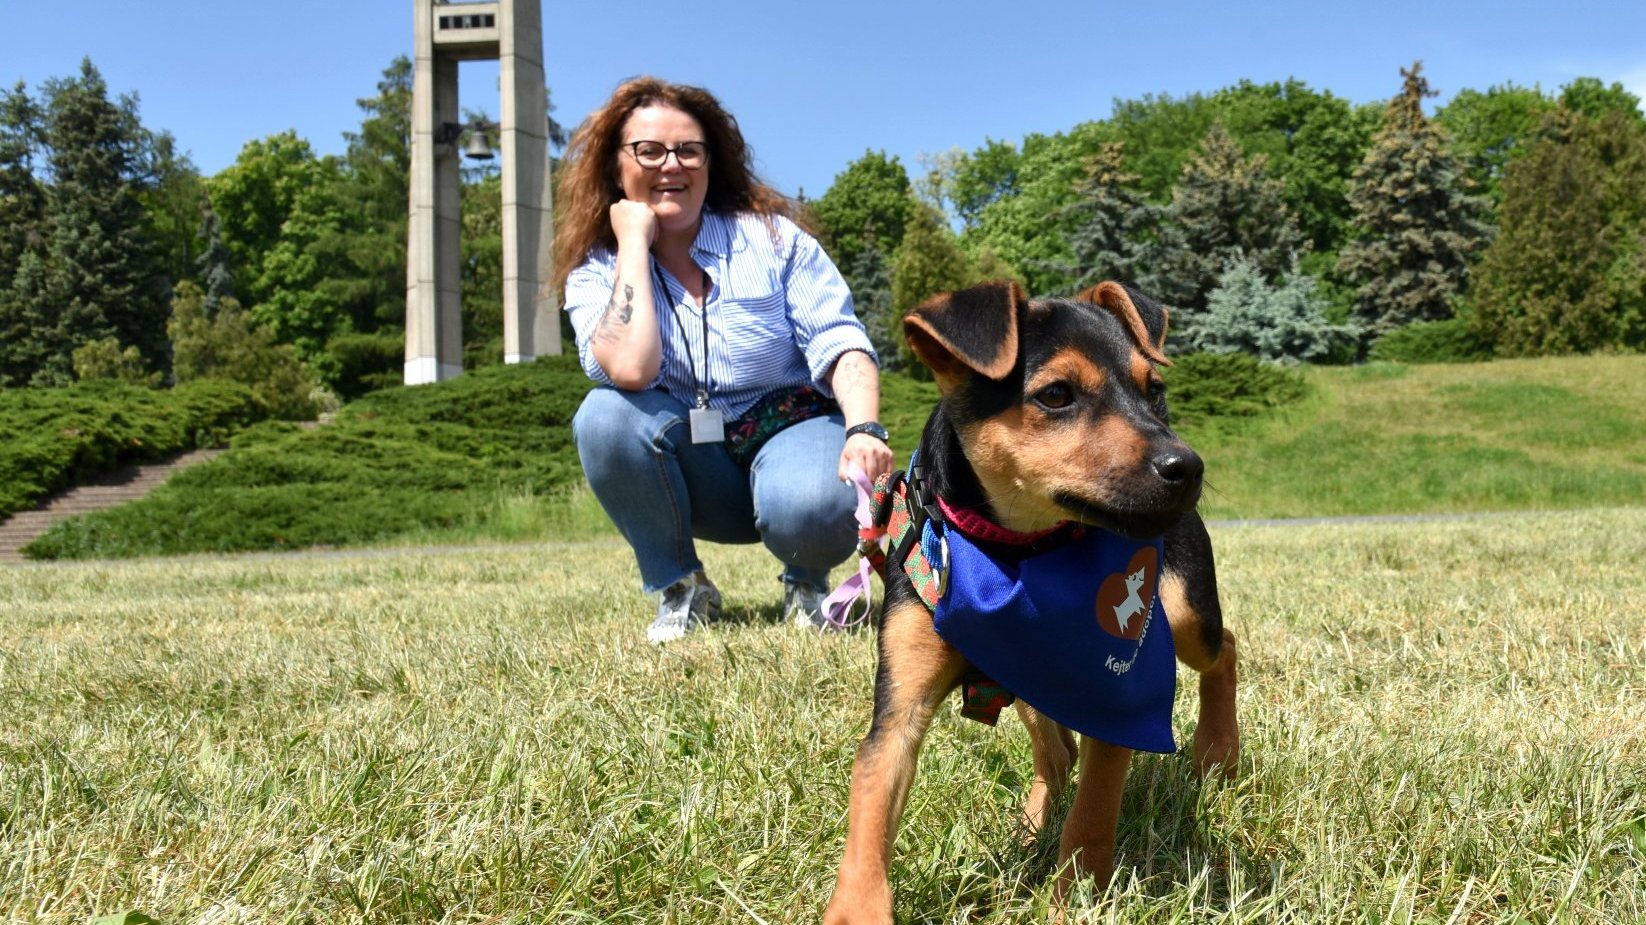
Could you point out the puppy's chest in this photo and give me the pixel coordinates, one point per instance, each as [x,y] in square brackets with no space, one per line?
[1078,631]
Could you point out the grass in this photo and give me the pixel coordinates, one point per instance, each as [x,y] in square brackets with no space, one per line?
[1553,433]
[1443,724]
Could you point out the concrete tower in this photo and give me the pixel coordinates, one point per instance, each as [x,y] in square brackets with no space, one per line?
[511,33]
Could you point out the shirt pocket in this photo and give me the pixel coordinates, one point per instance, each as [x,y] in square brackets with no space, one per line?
[761,339]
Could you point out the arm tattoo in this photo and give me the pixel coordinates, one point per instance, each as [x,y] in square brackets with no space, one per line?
[615,315]
[852,373]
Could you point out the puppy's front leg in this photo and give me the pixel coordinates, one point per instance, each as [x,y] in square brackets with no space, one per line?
[1054,753]
[1087,849]
[917,670]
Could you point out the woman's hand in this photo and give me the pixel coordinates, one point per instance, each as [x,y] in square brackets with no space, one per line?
[868,453]
[633,223]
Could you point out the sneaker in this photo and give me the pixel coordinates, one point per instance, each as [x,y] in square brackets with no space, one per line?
[684,607]
[803,606]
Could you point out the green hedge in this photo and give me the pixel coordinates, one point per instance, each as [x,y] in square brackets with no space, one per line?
[53,438]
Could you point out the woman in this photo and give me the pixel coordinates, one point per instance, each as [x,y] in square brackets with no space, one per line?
[737,386]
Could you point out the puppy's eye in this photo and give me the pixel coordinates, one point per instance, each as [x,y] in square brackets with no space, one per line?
[1157,390]
[1055,396]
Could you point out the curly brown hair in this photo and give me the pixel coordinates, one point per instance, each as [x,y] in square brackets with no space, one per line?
[588,184]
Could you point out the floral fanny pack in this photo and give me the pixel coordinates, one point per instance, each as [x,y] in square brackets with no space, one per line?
[771,414]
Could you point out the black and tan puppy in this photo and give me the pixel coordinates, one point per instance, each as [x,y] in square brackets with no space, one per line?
[1052,414]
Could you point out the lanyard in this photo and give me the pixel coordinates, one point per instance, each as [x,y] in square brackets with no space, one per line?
[674,310]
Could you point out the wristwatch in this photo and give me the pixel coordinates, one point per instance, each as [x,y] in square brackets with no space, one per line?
[872,428]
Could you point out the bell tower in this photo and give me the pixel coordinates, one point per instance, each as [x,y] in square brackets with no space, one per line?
[446,33]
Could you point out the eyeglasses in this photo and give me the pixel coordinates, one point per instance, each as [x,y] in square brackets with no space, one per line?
[651,154]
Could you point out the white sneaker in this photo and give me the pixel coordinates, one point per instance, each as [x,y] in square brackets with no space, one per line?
[683,608]
[803,606]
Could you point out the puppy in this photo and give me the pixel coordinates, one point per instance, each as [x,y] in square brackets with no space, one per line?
[1049,514]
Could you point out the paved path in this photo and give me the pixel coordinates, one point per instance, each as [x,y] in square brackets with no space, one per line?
[107,490]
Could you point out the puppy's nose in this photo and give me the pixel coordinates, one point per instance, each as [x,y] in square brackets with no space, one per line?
[1177,466]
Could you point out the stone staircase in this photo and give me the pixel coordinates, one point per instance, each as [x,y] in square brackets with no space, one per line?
[104,491]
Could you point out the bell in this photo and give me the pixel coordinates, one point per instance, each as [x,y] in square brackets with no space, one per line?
[479,147]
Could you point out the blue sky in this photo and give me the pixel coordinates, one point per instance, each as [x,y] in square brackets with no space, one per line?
[814,84]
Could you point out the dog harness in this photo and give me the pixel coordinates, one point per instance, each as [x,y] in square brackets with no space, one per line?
[1069,619]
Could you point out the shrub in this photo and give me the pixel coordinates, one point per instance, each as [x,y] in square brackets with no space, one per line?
[1205,386]
[228,345]
[52,438]
[393,463]
[1453,340]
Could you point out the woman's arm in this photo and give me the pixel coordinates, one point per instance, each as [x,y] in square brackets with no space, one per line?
[626,342]
[856,383]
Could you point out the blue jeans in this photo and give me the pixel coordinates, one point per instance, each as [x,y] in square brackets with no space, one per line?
[663,491]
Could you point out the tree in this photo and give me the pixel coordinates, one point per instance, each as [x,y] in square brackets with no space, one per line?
[871,284]
[873,192]
[929,261]
[1567,271]
[983,177]
[1415,225]
[22,242]
[171,202]
[1224,207]
[95,275]
[1108,221]
[213,263]
[228,345]
[1283,323]
[285,224]
[1025,228]
[1595,99]
[106,359]
[1487,131]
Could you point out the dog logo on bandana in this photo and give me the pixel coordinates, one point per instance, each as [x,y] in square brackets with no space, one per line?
[1125,598]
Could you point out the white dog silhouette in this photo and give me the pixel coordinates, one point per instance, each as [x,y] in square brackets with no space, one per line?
[1133,604]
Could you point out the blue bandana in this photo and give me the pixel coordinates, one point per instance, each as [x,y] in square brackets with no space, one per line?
[1077,632]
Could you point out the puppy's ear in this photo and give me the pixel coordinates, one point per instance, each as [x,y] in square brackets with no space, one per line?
[1143,318]
[973,329]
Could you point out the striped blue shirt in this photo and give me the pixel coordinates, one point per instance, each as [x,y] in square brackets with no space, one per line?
[779,313]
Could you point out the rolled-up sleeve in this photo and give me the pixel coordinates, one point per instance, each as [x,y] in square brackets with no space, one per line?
[820,308]
[588,291]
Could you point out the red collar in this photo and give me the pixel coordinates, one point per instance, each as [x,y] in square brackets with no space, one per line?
[972,523]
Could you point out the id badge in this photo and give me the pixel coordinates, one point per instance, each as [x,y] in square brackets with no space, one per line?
[707,425]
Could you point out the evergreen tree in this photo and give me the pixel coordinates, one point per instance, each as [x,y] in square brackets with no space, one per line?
[213,262]
[1415,226]
[1567,271]
[1282,323]
[929,261]
[1107,222]
[376,183]
[1224,207]
[101,278]
[871,284]
[22,212]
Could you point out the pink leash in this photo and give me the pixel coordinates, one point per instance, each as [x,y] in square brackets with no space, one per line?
[839,608]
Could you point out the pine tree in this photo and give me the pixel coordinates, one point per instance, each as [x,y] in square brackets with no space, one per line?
[1415,226]
[102,278]
[1107,221]
[22,244]
[1224,207]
